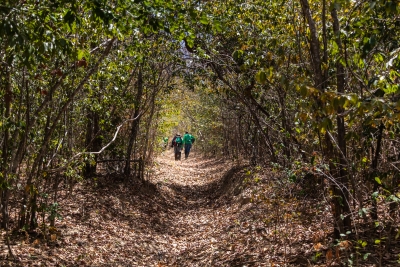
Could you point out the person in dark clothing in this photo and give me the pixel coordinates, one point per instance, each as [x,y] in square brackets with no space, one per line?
[188,140]
[177,144]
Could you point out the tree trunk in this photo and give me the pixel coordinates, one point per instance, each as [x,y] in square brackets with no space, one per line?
[148,128]
[340,201]
[88,170]
[135,123]
[4,170]
[285,126]
[92,142]
[374,209]
[343,165]
[33,204]
[314,46]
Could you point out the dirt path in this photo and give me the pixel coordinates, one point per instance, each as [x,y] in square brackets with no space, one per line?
[195,212]
[183,217]
[195,189]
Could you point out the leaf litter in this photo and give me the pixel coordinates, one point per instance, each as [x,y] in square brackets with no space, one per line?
[195,212]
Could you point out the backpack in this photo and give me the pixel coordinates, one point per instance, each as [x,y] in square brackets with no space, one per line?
[178,141]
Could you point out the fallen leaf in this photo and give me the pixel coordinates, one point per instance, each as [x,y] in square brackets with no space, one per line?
[329,255]
[345,244]
[318,246]
[53,237]
[337,256]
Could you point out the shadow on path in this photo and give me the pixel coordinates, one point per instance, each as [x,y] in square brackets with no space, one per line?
[196,195]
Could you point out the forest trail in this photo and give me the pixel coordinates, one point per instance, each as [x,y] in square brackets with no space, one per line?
[196,212]
[184,216]
[200,210]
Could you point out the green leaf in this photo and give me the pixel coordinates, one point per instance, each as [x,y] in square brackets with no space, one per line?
[83,54]
[364,210]
[377,241]
[335,48]
[378,180]
[261,77]
[190,42]
[238,54]
[303,91]
[366,255]
[327,124]
[204,19]
[392,198]
[217,26]
[372,4]
[390,89]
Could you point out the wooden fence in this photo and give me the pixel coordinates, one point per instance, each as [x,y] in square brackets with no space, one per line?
[117,165]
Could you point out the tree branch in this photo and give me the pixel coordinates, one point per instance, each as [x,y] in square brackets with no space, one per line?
[95,152]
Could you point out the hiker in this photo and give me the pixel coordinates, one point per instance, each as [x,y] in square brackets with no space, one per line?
[165,140]
[188,140]
[177,144]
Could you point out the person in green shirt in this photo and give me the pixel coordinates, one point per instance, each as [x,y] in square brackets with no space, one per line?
[165,139]
[188,140]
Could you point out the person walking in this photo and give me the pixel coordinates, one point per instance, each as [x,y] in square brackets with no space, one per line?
[165,140]
[177,144]
[188,140]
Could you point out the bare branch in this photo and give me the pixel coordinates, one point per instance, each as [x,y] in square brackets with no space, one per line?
[94,152]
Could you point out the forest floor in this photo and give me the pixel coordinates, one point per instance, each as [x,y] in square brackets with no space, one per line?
[194,212]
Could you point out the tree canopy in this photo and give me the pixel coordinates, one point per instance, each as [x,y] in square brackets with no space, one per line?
[309,88]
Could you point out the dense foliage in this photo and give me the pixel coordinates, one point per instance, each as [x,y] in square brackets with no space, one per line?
[310,88]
